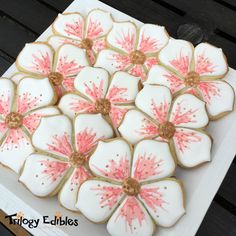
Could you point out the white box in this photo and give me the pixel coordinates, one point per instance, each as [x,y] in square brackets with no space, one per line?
[201,183]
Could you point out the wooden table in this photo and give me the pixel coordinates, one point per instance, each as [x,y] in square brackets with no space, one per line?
[214,21]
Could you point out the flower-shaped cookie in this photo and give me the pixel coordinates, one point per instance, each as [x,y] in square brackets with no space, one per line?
[96,93]
[132,191]
[178,122]
[88,34]
[21,109]
[63,149]
[198,71]
[131,49]
[61,66]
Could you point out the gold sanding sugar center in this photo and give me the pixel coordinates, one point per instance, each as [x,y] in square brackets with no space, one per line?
[87,43]
[137,57]
[14,120]
[131,187]
[166,130]
[192,79]
[103,106]
[56,78]
[77,159]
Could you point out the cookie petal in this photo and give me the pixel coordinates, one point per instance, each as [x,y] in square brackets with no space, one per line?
[123,88]
[32,120]
[70,25]
[36,59]
[43,175]
[3,129]
[164,201]
[154,101]
[56,41]
[177,55]
[160,76]
[98,23]
[152,38]
[117,113]
[70,60]
[218,95]
[152,160]
[136,126]
[111,160]
[138,71]
[98,45]
[7,94]
[210,61]
[150,62]
[192,147]
[34,93]
[89,129]
[130,218]
[14,149]
[97,199]
[69,192]
[56,138]
[73,104]
[189,111]
[112,61]
[92,82]
[123,36]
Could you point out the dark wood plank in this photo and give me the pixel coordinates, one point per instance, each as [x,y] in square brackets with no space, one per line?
[218,222]
[33,14]
[13,36]
[210,12]
[150,12]
[4,231]
[228,187]
[227,3]
[59,5]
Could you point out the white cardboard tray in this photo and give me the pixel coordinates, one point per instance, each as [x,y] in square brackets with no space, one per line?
[201,183]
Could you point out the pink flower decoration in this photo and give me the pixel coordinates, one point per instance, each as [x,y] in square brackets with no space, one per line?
[132,50]
[62,165]
[95,93]
[88,34]
[124,195]
[21,110]
[198,71]
[179,122]
[60,66]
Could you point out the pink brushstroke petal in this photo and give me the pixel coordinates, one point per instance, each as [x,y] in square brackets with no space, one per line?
[148,44]
[118,170]
[99,44]
[26,102]
[68,84]
[126,41]
[117,95]
[121,62]
[146,166]
[86,140]
[204,65]
[148,129]
[138,71]
[160,112]
[130,212]
[80,106]
[79,176]
[94,91]
[184,139]
[117,114]
[150,62]
[61,145]
[109,195]
[181,63]
[41,63]
[75,29]
[53,169]
[152,197]
[5,104]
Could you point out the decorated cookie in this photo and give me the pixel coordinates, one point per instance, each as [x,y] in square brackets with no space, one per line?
[63,149]
[132,191]
[179,122]
[21,109]
[18,76]
[198,71]
[132,50]
[88,33]
[96,93]
[61,66]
